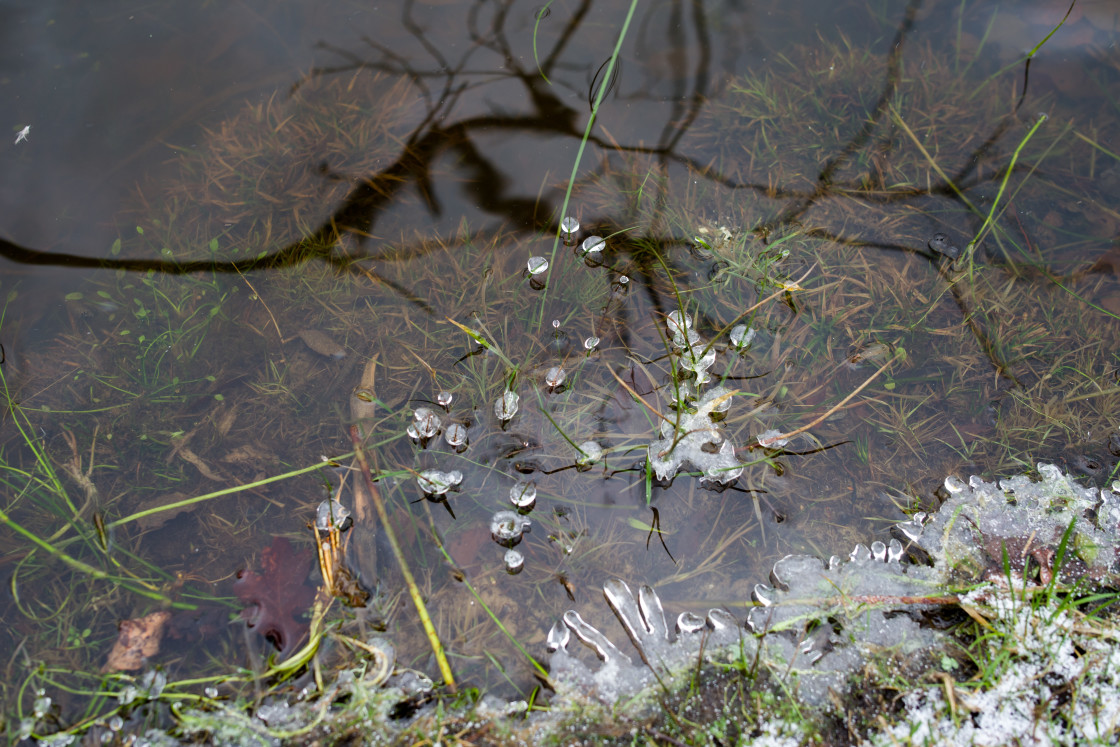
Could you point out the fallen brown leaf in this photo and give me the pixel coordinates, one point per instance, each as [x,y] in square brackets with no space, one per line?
[137,641]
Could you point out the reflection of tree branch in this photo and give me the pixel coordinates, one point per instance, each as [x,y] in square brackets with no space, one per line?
[796,210]
[444,82]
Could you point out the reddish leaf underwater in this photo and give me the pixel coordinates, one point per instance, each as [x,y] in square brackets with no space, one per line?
[277,596]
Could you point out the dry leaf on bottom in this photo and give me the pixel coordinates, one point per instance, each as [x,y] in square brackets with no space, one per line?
[137,641]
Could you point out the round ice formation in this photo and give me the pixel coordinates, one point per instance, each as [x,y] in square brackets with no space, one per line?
[678,323]
[590,452]
[769,439]
[555,376]
[591,343]
[698,361]
[506,527]
[434,482]
[505,407]
[331,513]
[444,399]
[720,397]
[683,396]
[412,432]
[455,435]
[537,265]
[568,227]
[593,245]
[514,561]
[741,336]
[686,340]
[426,421]
[523,495]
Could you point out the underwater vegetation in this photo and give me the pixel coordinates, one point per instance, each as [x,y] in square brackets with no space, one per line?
[854,272]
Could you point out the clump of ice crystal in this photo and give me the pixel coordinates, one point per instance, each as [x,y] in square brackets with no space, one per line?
[697,440]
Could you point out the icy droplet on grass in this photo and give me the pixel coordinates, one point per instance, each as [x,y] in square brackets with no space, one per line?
[720,397]
[698,362]
[433,482]
[678,323]
[42,705]
[686,340]
[591,452]
[568,228]
[331,514]
[769,439]
[444,399]
[426,422]
[593,245]
[555,376]
[537,265]
[506,527]
[505,407]
[514,561]
[152,683]
[455,435]
[523,495]
[591,343]
[741,336]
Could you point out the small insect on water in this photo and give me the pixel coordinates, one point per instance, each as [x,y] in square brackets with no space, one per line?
[21,136]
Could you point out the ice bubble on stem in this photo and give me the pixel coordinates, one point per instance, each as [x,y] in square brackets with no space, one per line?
[433,482]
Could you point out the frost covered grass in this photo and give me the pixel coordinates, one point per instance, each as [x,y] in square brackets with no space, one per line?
[1047,673]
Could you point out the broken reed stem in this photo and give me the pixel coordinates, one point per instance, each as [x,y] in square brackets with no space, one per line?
[413,589]
[827,413]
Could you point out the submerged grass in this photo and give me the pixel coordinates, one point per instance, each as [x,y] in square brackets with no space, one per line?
[819,244]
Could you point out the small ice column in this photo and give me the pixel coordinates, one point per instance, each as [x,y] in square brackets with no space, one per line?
[523,495]
[514,562]
[436,483]
[741,336]
[444,399]
[426,422]
[590,453]
[536,268]
[505,407]
[568,228]
[554,377]
[455,435]
[331,514]
[506,527]
[643,618]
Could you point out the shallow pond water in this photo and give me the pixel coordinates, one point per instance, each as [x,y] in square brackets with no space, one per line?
[843,255]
